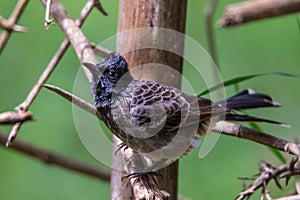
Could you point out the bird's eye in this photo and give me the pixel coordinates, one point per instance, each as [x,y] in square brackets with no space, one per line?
[111,73]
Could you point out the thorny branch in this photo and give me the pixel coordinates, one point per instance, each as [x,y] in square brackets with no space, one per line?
[49,69]
[22,115]
[268,172]
[55,159]
[12,21]
[79,42]
[248,11]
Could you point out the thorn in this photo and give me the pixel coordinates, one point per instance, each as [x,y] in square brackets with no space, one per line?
[277,182]
[287,180]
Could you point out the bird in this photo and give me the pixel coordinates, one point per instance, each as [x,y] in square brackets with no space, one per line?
[158,121]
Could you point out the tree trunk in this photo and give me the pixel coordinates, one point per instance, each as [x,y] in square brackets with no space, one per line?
[170,14]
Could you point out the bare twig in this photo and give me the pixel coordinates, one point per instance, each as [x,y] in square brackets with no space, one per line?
[236,130]
[48,71]
[78,40]
[256,10]
[75,100]
[14,117]
[48,21]
[267,173]
[55,159]
[12,20]
[6,24]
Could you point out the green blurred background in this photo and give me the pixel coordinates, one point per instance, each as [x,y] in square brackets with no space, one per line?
[266,46]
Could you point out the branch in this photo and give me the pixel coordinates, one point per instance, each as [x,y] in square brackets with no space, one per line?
[294,196]
[55,159]
[12,21]
[145,185]
[78,40]
[48,71]
[239,131]
[6,24]
[75,100]
[269,172]
[256,10]
[14,117]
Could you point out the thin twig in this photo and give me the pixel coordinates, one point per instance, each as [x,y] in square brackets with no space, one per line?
[78,40]
[48,21]
[48,71]
[74,99]
[236,130]
[14,117]
[12,20]
[55,159]
[248,11]
[6,24]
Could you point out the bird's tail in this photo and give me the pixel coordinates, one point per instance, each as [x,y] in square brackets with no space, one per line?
[248,99]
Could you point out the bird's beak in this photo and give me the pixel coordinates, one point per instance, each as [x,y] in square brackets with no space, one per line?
[92,68]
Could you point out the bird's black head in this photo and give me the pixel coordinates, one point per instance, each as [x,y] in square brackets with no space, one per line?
[114,67]
[106,75]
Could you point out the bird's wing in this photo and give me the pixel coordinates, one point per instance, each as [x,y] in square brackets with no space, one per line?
[154,104]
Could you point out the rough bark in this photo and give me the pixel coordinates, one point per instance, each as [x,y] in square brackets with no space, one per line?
[170,14]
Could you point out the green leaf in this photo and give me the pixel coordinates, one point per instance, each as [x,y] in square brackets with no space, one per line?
[276,152]
[244,78]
